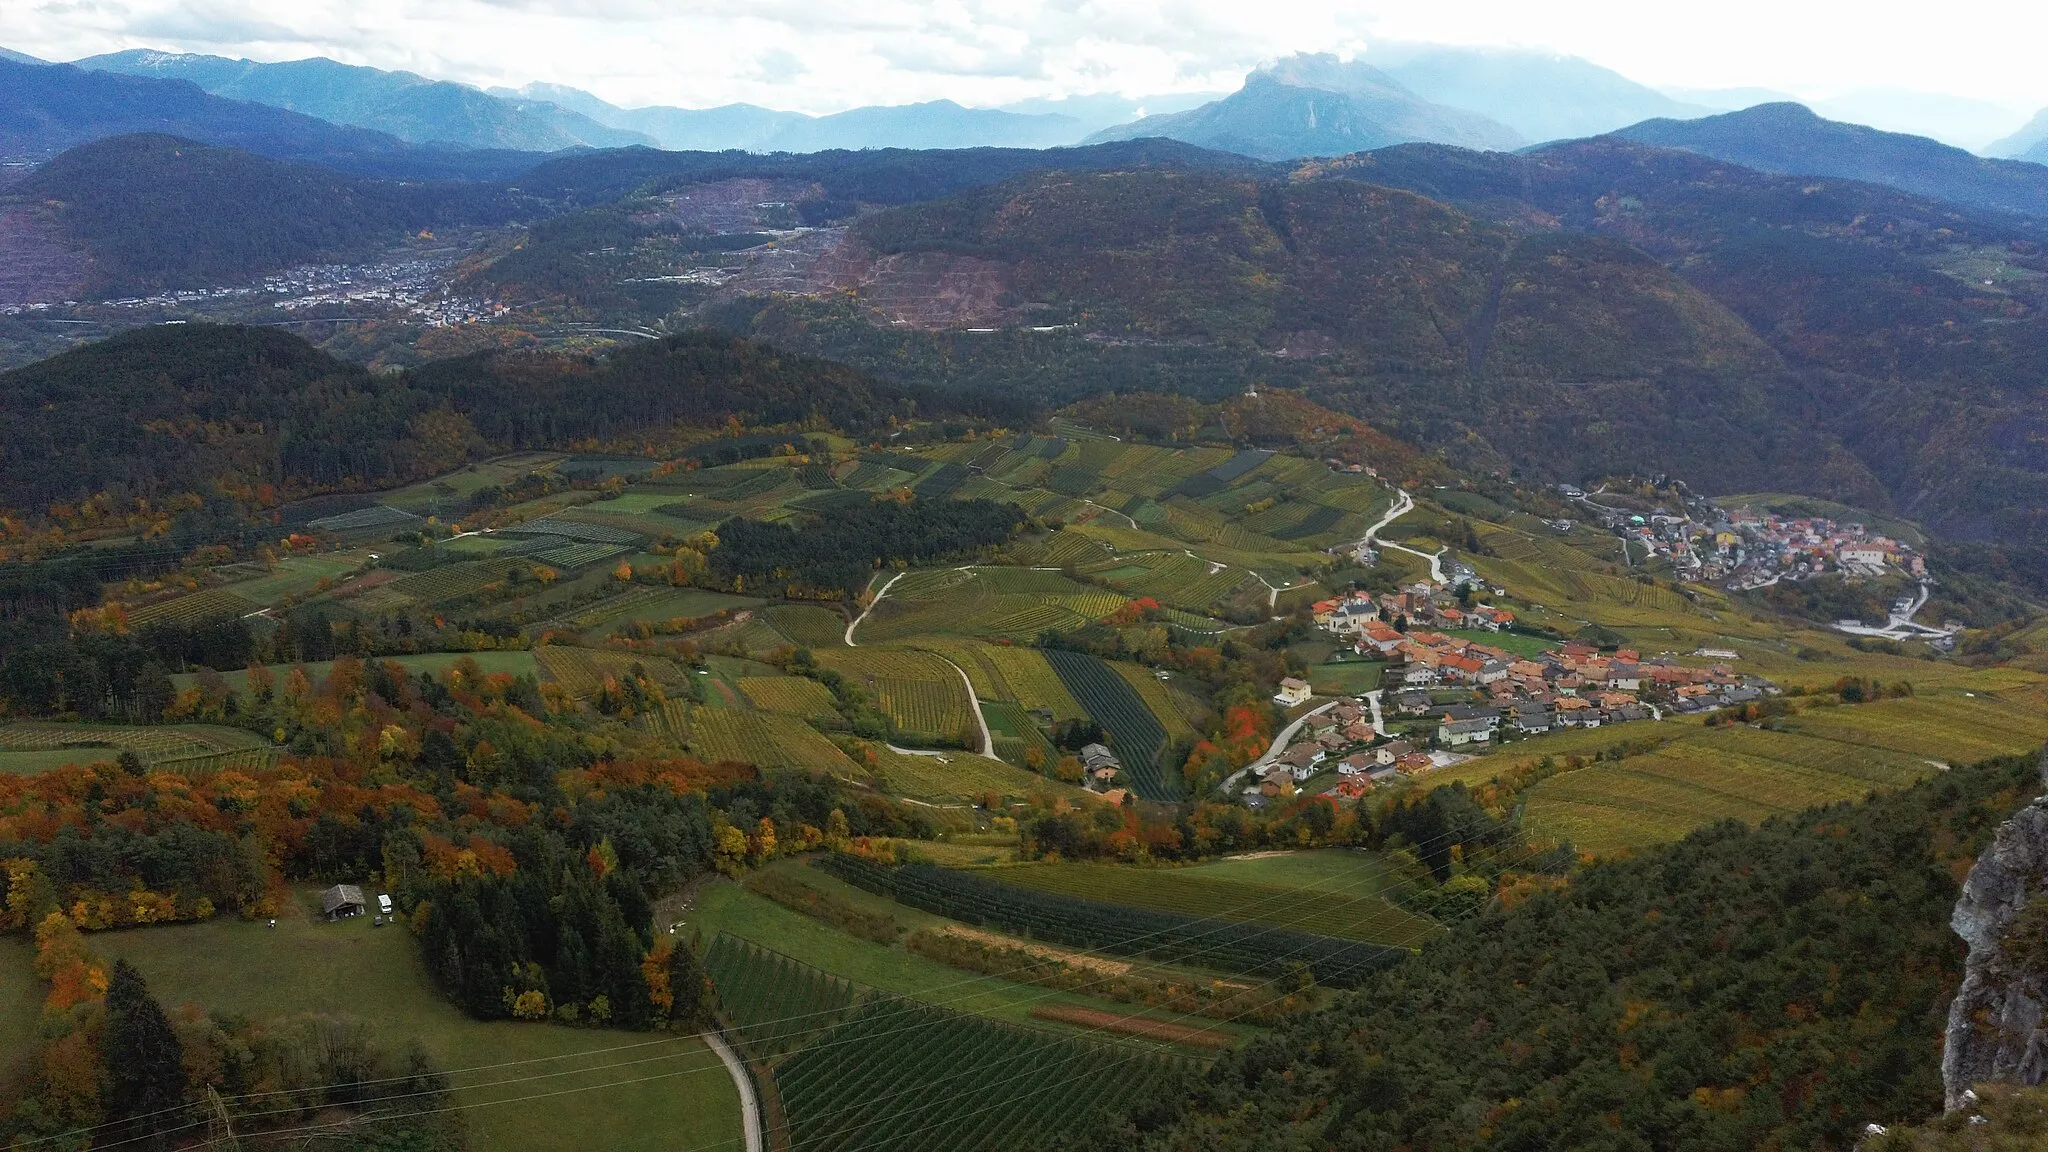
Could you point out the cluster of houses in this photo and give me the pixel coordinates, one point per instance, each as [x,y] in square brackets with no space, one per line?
[1358,616]
[1759,545]
[1343,735]
[1453,693]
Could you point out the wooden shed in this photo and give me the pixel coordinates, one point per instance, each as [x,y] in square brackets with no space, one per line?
[342,900]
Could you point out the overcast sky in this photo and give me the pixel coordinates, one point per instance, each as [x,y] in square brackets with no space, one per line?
[826,55]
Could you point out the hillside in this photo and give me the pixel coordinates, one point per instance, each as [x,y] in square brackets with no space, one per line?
[1839,338]
[200,408]
[1778,987]
[1791,139]
[153,212]
[401,104]
[1312,105]
[45,109]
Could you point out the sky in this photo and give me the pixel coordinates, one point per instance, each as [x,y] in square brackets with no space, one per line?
[827,55]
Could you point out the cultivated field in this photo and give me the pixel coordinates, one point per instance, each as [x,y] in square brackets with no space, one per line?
[623,1090]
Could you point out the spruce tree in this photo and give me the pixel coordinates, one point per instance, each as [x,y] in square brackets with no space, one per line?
[145,1061]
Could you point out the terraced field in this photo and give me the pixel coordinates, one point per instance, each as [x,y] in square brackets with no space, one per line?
[764,739]
[1712,774]
[962,779]
[1009,602]
[39,746]
[1138,736]
[808,626]
[209,604]
[1351,907]
[582,671]
[920,692]
[793,695]
[1953,728]
[1007,672]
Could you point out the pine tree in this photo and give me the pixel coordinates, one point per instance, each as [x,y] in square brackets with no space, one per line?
[145,1061]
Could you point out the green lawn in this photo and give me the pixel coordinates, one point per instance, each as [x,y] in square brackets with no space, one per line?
[690,602]
[21,1001]
[1347,678]
[683,1098]
[1329,870]
[1517,643]
[726,907]
[43,760]
[298,575]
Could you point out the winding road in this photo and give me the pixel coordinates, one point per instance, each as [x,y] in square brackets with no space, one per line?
[1279,744]
[1402,506]
[870,608]
[750,1107]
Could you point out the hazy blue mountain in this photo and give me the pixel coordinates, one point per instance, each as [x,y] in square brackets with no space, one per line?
[935,124]
[744,126]
[1791,139]
[939,124]
[47,108]
[1729,99]
[1956,120]
[402,104]
[2025,144]
[1316,105]
[14,57]
[1106,110]
[1541,95]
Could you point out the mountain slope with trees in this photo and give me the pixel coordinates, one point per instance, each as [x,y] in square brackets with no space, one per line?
[1769,988]
[205,410]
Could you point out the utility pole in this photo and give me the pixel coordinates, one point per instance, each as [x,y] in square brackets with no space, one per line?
[220,1130]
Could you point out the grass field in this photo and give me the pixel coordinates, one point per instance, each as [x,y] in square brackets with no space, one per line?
[21,1001]
[722,906]
[582,671]
[685,1098]
[1348,678]
[1347,901]
[1697,775]
[297,575]
[794,695]
[964,778]
[512,663]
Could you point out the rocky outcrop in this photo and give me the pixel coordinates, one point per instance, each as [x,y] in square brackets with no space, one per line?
[1996,1028]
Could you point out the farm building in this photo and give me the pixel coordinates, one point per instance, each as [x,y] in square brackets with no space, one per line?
[342,900]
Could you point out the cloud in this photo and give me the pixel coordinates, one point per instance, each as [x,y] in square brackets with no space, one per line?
[827,55]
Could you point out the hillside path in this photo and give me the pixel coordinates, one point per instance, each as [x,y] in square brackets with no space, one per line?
[870,608]
[750,1108]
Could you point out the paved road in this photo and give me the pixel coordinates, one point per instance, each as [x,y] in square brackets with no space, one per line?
[870,608]
[1279,744]
[750,1108]
[1379,723]
[1402,506]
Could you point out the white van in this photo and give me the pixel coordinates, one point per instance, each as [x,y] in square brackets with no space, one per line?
[384,904]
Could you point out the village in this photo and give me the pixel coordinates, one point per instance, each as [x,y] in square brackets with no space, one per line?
[1444,697]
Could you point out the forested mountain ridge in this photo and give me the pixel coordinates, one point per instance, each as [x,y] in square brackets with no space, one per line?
[1791,139]
[202,409]
[1777,987]
[155,212]
[1590,307]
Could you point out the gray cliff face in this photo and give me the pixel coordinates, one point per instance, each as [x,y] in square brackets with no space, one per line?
[1996,1022]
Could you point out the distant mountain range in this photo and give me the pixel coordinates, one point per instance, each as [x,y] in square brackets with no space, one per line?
[936,124]
[1541,95]
[1317,105]
[412,108]
[2029,143]
[47,108]
[1792,140]
[19,57]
